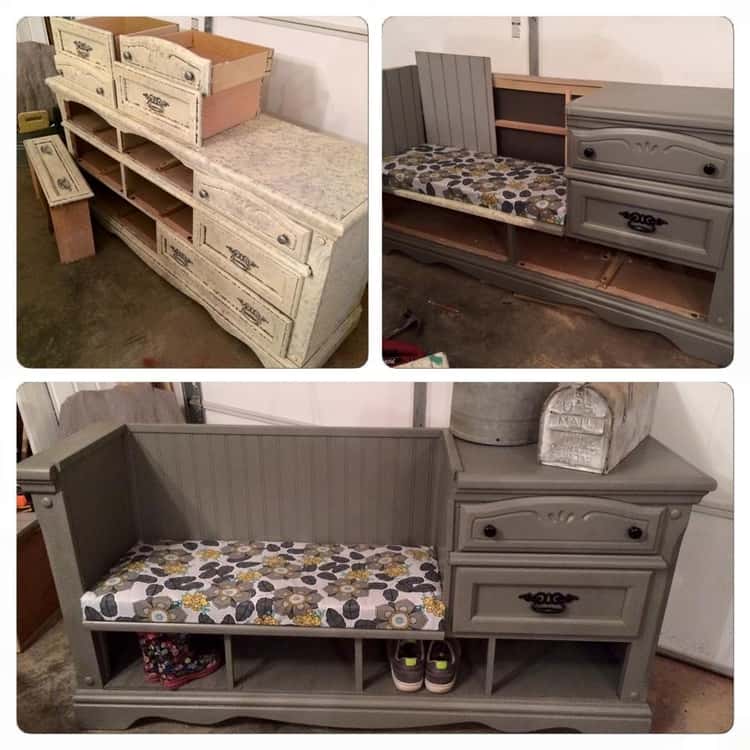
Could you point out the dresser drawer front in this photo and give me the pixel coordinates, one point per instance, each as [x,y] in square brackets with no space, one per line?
[249,263]
[549,602]
[652,155]
[95,47]
[660,226]
[270,225]
[176,110]
[86,77]
[245,309]
[558,524]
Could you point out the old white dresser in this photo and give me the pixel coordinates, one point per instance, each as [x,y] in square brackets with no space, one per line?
[264,224]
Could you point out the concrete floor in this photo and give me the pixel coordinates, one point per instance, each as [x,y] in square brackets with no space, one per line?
[684,699]
[479,325]
[113,311]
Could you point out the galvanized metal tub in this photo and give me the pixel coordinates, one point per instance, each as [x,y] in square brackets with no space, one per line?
[498,413]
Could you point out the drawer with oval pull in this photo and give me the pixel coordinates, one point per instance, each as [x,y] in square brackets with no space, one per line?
[246,309]
[208,63]
[687,231]
[256,216]
[274,278]
[580,602]
[87,78]
[652,155]
[558,524]
[95,41]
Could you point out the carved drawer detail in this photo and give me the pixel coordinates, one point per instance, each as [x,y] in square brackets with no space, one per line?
[558,524]
[87,78]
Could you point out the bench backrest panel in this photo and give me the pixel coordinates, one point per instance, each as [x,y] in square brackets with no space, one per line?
[403,122]
[320,484]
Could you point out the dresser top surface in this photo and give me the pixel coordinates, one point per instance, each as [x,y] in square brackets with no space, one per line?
[651,467]
[325,173]
[667,106]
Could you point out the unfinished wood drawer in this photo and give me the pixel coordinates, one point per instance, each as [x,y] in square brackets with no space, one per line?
[253,214]
[252,314]
[652,155]
[558,524]
[88,78]
[271,277]
[671,228]
[95,40]
[549,602]
[204,62]
[182,112]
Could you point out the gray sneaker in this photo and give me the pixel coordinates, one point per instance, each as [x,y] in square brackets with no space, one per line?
[407,665]
[441,667]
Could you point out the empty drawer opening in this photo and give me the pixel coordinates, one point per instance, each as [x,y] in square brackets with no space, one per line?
[98,164]
[158,159]
[93,124]
[159,205]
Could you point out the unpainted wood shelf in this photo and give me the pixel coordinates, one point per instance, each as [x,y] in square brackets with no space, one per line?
[531,127]
[180,221]
[150,198]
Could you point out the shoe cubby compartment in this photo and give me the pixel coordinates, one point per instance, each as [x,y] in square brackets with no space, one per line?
[99,164]
[150,198]
[93,125]
[155,158]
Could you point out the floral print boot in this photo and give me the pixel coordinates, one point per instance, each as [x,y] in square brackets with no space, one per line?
[174,661]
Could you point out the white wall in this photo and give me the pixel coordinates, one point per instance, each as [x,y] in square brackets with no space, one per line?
[696,51]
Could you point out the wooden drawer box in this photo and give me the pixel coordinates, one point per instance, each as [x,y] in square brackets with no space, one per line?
[245,309]
[204,62]
[254,215]
[96,40]
[652,155]
[181,112]
[549,602]
[558,524]
[676,229]
[271,277]
[88,78]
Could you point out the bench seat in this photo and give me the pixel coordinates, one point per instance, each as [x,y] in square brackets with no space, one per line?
[530,191]
[272,583]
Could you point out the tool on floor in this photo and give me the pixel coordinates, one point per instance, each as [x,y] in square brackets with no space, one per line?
[399,352]
[408,320]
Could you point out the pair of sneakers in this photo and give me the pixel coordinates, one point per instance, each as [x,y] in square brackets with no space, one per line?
[411,667]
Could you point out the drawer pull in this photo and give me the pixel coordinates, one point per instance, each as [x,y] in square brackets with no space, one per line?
[189,75]
[250,312]
[64,183]
[155,103]
[82,49]
[283,239]
[643,223]
[180,257]
[589,152]
[709,169]
[46,149]
[548,602]
[127,55]
[490,531]
[100,90]
[635,532]
[240,259]
[203,194]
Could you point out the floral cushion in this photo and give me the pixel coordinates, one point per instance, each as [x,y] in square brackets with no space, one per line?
[512,186]
[272,583]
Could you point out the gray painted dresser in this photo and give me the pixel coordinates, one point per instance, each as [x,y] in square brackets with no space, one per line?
[263,224]
[554,580]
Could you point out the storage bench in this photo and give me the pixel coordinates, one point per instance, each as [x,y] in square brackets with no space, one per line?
[557,604]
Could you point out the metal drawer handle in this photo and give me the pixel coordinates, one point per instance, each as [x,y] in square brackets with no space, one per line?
[643,223]
[127,55]
[635,532]
[240,259]
[189,75]
[100,90]
[82,49]
[46,149]
[180,257]
[709,168]
[490,531]
[548,602]
[64,183]
[283,239]
[155,103]
[250,312]
[203,193]
[589,152]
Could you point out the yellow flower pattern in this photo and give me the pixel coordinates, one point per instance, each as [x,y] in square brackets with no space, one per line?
[195,601]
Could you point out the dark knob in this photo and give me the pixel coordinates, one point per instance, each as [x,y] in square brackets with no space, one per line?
[126,55]
[203,193]
[490,530]
[282,239]
[100,90]
[589,152]
[189,75]
[709,168]
[635,532]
